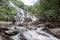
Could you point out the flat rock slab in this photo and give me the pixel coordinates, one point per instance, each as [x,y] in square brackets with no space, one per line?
[5,23]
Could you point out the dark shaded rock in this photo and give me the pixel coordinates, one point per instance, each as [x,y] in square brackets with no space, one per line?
[22,37]
[52,25]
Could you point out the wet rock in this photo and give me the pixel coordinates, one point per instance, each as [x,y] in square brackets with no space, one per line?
[52,25]
[56,31]
[3,23]
[3,36]
[0,37]
[22,37]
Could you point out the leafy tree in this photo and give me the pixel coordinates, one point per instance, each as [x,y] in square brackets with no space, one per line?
[5,11]
[49,9]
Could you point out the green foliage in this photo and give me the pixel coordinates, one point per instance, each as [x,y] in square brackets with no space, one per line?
[49,9]
[18,3]
[5,11]
[21,5]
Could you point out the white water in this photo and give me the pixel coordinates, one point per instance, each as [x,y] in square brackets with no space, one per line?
[32,34]
[28,34]
[21,14]
[16,37]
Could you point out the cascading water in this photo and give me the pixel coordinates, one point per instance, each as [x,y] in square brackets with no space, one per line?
[37,34]
[21,14]
[33,34]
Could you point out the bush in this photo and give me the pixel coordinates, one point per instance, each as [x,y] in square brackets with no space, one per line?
[52,15]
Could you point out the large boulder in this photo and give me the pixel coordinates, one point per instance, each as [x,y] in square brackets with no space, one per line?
[4,23]
[56,31]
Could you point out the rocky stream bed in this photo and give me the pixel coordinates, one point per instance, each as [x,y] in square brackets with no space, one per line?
[27,27]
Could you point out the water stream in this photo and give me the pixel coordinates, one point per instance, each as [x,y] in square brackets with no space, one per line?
[33,34]
[25,33]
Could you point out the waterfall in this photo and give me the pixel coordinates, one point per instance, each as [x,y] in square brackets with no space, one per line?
[21,14]
[33,34]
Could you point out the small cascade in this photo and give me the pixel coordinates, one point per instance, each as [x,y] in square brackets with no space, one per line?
[16,37]
[37,34]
